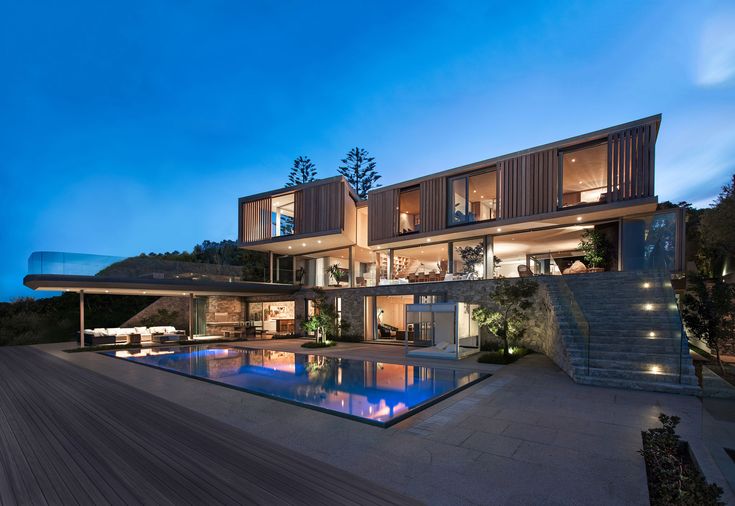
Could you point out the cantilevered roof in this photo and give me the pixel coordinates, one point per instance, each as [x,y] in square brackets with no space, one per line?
[149,286]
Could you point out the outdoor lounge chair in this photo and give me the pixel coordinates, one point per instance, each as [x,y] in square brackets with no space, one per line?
[524,271]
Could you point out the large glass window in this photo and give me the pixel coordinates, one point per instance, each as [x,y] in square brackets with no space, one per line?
[327,268]
[282,215]
[409,206]
[283,268]
[473,197]
[421,264]
[584,176]
[391,316]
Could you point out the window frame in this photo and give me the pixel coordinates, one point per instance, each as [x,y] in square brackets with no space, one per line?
[450,197]
[416,188]
[560,176]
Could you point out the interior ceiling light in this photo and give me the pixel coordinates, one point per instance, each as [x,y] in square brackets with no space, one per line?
[428,240]
[574,160]
[500,229]
[579,218]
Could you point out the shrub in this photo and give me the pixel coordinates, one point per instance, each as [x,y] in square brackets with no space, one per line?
[673,479]
[347,338]
[499,357]
[319,344]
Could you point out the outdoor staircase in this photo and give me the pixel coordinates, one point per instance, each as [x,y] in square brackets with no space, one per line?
[623,329]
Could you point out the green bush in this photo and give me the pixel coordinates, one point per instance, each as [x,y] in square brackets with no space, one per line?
[320,344]
[347,338]
[498,357]
[673,479]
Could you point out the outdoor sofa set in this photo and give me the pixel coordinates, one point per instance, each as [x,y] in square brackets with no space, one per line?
[132,335]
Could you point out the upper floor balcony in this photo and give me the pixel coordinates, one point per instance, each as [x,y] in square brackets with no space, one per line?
[315,216]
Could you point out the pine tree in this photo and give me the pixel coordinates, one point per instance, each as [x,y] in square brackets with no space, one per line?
[359,170]
[303,171]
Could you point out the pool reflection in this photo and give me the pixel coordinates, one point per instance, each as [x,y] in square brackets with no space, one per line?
[371,391]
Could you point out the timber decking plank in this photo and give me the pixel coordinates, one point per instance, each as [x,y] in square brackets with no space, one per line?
[105,440]
[83,455]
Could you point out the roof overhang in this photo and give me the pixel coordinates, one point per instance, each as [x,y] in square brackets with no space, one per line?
[155,287]
[302,243]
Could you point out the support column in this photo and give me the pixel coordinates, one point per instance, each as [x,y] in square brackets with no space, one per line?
[351,269]
[270,267]
[191,316]
[81,318]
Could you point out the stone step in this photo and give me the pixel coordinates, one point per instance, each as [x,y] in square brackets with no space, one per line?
[652,356]
[687,378]
[673,388]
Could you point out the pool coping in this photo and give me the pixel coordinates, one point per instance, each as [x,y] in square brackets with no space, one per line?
[375,423]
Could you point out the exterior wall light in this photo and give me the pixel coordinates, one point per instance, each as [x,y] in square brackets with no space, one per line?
[651,335]
[648,307]
[655,369]
[646,285]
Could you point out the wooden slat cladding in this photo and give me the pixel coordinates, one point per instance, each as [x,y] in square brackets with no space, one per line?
[528,184]
[630,163]
[319,208]
[256,220]
[433,202]
[383,213]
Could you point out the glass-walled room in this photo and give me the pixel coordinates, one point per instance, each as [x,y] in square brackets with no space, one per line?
[584,176]
[266,319]
[324,268]
[420,264]
[553,251]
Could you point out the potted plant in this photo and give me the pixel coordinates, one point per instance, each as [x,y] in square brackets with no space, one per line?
[596,249]
[471,256]
[337,273]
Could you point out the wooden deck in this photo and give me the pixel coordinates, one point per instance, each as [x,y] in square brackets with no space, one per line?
[71,436]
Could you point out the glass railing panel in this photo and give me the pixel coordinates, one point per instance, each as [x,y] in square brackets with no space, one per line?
[232,266]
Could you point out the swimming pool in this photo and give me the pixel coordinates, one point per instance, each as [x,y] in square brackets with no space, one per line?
[378,393]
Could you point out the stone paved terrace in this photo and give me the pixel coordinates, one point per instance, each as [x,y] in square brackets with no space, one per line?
[527,435]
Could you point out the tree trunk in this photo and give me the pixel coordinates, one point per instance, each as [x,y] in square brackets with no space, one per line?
[506,348]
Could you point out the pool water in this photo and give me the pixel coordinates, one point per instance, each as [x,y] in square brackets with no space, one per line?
[379,393]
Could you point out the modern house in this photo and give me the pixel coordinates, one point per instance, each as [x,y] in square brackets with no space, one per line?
[408,264]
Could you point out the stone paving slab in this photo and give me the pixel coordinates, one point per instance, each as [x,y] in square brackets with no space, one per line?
[527,435]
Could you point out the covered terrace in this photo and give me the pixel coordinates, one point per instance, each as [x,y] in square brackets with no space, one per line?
[168,287]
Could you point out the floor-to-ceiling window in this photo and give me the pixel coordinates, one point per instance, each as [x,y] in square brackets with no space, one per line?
[584,176]
[282,215]
[391,316]
[409,205]
[473,197]
[428,262]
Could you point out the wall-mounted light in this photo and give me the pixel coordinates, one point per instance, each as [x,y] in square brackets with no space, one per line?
[651,334]
[646,285]
[655,369]
[648,307]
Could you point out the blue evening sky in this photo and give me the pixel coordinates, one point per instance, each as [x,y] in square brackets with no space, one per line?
[135,126]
